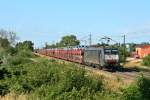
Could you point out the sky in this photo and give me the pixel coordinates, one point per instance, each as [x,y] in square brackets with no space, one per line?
[48,20]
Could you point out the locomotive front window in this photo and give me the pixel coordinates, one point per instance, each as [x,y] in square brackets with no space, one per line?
[107,51]
[114,51]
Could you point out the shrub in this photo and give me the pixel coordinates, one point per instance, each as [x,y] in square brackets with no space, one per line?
[77,85]
[16,60]
[144,87]
[139,91]
[146,61]
[84,94]
[77,79]
[122,54]
[4,89]
[24,53]
[48,79]
[73,84]
[131,93]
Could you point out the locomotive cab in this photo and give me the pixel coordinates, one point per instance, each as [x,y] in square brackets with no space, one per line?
[111,56]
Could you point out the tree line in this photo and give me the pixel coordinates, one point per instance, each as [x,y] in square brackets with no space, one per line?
[68,40]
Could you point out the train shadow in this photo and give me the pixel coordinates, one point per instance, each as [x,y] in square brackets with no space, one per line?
[121,69]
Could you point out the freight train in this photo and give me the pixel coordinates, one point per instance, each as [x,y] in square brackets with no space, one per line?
[93,56]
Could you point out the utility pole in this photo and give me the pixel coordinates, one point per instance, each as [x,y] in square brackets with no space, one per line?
[124,42]
[90,39]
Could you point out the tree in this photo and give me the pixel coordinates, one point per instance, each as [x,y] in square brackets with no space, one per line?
[26,45]
[7,42]
[132,47]
[69,40]
[145,43]
[51,46]
[123,54]
[10,36]
[47,46]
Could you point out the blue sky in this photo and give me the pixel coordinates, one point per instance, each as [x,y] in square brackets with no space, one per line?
[48,20]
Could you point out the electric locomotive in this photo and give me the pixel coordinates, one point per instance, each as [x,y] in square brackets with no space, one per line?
[101,57]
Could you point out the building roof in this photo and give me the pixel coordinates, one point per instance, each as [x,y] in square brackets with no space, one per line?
[143,46]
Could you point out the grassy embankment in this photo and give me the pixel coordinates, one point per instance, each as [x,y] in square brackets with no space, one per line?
[24,76]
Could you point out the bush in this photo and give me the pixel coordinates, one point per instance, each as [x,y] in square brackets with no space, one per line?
[24,53]
[4,89]
[16,60]
[131,93]
[139,91]
[144,87]
[47,79]
[84,94]
[34,75]
[122,54]
[77,79]
[66,84]
[77,85]
[146,61]
[4,72]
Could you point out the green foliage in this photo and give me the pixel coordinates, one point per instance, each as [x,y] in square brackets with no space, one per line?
[27,77]
[8,37]
[132,47]
[4,72]
[131,93]
[68,40]
[26,45]
[76,85]
[27,54]
[144,87]
[139,91]
[75,94]
[47,79]
[3,89]
[22,73]
[122,54]
[11,50]
[77,79]
[4,43]
[146,61]
[16,60]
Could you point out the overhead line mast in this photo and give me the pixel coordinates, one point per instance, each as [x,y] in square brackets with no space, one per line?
[124,42]
[90,39]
